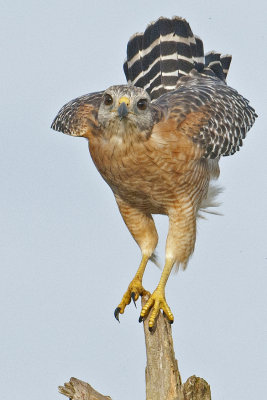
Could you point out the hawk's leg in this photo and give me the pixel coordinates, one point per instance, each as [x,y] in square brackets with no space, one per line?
[179,246]
[143,230]
[157,300]
[135,288]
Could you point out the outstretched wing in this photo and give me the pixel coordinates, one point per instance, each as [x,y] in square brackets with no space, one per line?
[215,116]
[79,116]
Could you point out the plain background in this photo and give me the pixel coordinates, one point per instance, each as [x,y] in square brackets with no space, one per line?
[66,256]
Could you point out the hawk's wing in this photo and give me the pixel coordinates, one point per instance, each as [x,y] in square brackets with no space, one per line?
[213,115]
[79,116]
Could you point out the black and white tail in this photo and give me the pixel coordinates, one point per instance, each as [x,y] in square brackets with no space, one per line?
[167,50]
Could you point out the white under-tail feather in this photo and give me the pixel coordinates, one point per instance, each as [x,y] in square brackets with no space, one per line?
[210,201]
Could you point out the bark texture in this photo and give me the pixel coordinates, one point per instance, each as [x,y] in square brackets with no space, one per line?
[196,389]
[79,390]
[163,380]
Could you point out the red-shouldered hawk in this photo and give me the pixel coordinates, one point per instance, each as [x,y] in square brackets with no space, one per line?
[157,141]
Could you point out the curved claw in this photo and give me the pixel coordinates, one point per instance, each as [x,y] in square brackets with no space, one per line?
[117,313]
[134,291]
[141,319]
[133,298]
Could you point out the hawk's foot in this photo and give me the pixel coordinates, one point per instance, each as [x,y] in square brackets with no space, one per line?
[156,303]
[135,289]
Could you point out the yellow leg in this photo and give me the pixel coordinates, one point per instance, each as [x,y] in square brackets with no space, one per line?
[135,289]
[157,300]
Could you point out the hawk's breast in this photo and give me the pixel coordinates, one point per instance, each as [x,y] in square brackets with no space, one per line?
[147,177]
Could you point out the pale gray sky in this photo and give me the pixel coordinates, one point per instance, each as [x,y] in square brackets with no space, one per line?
[65,262]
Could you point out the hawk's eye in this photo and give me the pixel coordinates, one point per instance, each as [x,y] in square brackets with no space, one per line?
[142,104]
[108,100]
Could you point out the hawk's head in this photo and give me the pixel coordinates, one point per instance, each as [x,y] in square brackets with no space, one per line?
[126,111]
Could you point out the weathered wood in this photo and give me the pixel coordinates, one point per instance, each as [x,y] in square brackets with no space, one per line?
[79,390]
[196,389]
[163,380]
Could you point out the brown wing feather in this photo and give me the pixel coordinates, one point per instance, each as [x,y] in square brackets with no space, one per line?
[213,115]
[79,116]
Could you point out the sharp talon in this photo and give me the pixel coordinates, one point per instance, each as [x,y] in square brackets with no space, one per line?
[133,298]
[150,328]
[170,321]
[116,313]
[140,319]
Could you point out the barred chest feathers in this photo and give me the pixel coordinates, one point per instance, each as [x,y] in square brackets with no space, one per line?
[150,177]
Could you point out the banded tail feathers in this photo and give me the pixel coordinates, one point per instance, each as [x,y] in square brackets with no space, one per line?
[166,51]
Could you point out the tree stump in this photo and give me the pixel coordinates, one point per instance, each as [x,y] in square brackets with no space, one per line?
[163,380]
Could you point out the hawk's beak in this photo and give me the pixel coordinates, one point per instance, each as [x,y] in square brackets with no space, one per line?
[123,109]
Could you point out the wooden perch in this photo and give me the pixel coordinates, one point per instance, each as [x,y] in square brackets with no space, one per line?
[79,390]
[163,380]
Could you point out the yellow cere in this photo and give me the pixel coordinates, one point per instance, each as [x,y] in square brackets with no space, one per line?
[125,100]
